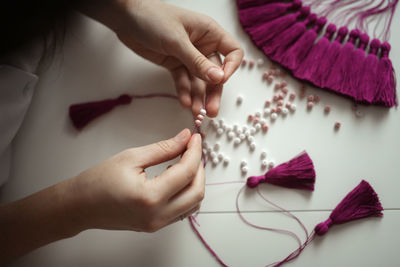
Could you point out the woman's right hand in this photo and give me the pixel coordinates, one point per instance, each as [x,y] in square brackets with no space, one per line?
[117,195]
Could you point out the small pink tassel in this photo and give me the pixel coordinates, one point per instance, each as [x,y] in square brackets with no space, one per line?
[280,44]
[339,77]
[331,54]
[361,202]
[357,69]
[261,14]
[386,79]
[369,79]
[82,114]
[264,33]
[311,64]
[299,50]
[297,173]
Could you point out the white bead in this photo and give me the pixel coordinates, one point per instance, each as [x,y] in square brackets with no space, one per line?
[264,163]
[237,141]
[231,134]
[214,123]
[274,116]
[239,100]
[271,164]
[257,126]
[203,112]
[220,156]
[223,126]
[293,107]
[258,114]
[244,128]
[226,161]
[204,151]
[247,133]
[209,149]
[215,161]
[245,169]
[285,111]
[250,139]
[263,155]
[267,111]
[242,136]
[263,121]
[243,163]
[260,62]
[220,131]
[253,146]
[252,130]
[213,154]
[238,131]
[216,146]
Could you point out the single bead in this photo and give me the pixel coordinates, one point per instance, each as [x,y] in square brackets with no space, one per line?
[285,111]
[244,62]
[213,154]
[292,96]
[293,107]
[200,117]
[271,164]
[279,110]
[283,84]
[310,98]
[285,90]
[237,141]
[221,122]
[263,155]
[205,144]
[270,79]
[277,86]
[239,131]
[265,128]
[278,72]
[252,130]
[197,122]
[260,62]
[231,134]
[359,113]
[281,96]
[203,112]
[214,123]
[215,161]
[204,151]
[243,163]
[250,117]
[288,104]
[280,103]
[235,127]
[327,109]
[258,114]
[263,121]
[209,149]
[239,100]
[274,116]
[273,110]
[267,103]
[217,146]
[244,128]
[220,157]
[251,64]
[264,164]
[220,131]
[247,133]
[242,136]
[252,146]
[267,111]
[337,125]
[244,169]
[256,120]
[310,105]
[257,126]
[275,98]
[250,139]
[226,161]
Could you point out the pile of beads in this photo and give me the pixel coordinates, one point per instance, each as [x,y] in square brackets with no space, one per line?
[264,162]
[213,153]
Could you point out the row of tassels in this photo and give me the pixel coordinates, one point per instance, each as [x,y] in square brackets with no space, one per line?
[288,32]
[299,173]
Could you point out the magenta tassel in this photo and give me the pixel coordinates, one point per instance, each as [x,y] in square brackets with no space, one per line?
[82,114]
[243,4]
[368,80]
[264,33]
[285,39]
[339,78]
[297,173]
[386,79]
[331,54]
[298,52]
[357,69]
[261,14]
[310,65]
[361,202]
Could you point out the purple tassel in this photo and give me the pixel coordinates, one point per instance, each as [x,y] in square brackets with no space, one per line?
[297,173]
[331,54]
[82,114]
[357,69]
[243,4]
[257,15]
[264,33]
[368,80]
[386,80]
[339,77]
[285,39]
[310,66]
[298,52]
[361,202]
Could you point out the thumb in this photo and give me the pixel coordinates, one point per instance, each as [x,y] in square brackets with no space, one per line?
[198,64]
[162,151]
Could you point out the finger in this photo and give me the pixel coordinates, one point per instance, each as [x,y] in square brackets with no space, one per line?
[198,87]
[213,92]
[162,151]
[183,172]
[185,215]
[182,85]
[233,53]
[197,63]
[191,196]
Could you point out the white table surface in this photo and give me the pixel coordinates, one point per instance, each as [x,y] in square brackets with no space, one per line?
[94,65]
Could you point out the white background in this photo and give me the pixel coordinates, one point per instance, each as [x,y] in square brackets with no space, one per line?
[94,66]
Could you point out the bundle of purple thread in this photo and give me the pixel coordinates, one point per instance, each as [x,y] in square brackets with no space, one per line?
[340,60]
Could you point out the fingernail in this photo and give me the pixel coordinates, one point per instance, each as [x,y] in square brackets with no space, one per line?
[215,74]
[182,136]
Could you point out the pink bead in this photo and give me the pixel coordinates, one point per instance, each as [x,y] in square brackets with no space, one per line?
[200,117]
[267,103]
[279,110]
[327,109]
[197,122]
[277,86]
[285,90]
[310,98]
[265,75]
[273,110]
[256,120]
[288,105]
[292,96]
[337,125]
[275,98]
[270,79]
[251,63]
[258,115]
[250,117]
[310,105]
[280,103]
[244,61]
[316,99]
[265,128]
[281,96]
[284,83]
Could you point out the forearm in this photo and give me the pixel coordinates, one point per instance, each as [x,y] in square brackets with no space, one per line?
[44,217]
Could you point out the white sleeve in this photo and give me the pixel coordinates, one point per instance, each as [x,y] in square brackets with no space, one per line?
[16,90]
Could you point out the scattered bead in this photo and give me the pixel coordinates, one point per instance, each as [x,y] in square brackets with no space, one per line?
[273,110]
[209,149]
[316,99]
[285,111]
[252,130]
[257,126]
[237,141]
[279,110]
[277,86]
[253,146]
[337,126]
[359,113]
[278,72]
[265,128]
[226,161]
[243,163]
[213,154]
[281,96]
[285,90]
[263,155]
[310,105]
[280,103]
[264,164]
[204,151]
[258,114]
[250,139]
[267,111]
[260,62]
[215,161]
[288,104]
[220,157]
[239,100]
[198,123]
[327,109]
[283,83]
[228,128]
[267,103]
[310,98]
[293,107]
[244,62]
[203,112]
[270,79]
[245,169]
[275,98]
[271,164]
[231,134]
[220,131]
[265,75]
[274,116]
[250,117]
[242,136]
[251,64]
[217,146]
[263,121]
[239,131]
[292,96]
[256,120]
